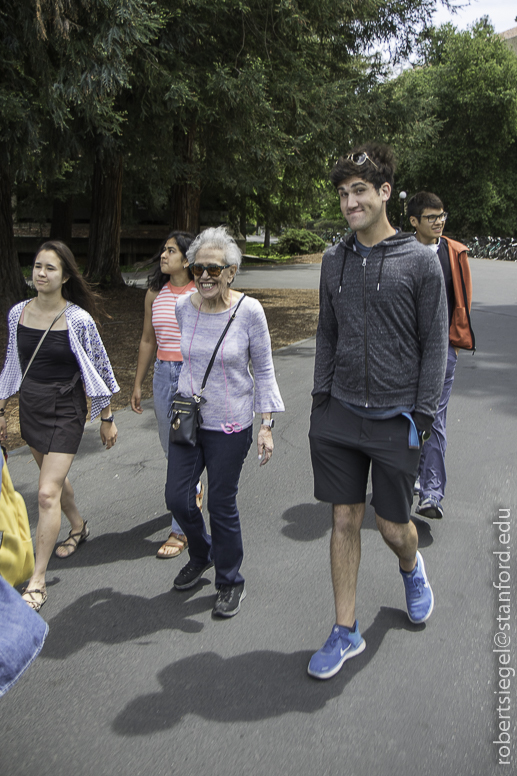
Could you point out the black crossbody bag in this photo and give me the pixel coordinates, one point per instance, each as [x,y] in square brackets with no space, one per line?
[185,411]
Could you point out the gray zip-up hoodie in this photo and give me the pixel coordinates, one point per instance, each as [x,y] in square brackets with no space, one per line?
[382,335]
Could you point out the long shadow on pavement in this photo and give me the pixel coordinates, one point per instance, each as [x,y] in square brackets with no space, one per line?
[117,546]
[109,617]
[246,688]
[310,522]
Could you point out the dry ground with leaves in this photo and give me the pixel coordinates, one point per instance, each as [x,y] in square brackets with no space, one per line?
[292,316]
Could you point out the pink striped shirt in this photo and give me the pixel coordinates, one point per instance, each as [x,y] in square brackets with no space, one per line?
[164,320]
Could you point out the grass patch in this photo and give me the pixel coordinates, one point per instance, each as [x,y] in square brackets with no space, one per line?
[254,249]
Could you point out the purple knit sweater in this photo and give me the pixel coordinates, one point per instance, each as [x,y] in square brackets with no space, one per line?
[231,393]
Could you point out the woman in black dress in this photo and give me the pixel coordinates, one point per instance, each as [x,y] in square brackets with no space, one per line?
[70,359]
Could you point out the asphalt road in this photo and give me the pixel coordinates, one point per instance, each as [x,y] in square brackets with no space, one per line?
[294,276]
[137,679]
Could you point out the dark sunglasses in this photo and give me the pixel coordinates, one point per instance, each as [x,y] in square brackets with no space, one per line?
[360,159]
[214,270]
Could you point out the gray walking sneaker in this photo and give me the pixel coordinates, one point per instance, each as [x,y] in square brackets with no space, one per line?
[228,601]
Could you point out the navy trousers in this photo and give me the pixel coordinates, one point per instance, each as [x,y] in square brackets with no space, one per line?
[223,456]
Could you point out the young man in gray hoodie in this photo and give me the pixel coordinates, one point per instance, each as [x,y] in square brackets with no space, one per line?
[381,352]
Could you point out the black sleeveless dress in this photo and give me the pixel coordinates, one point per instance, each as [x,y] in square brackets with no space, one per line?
[52,398]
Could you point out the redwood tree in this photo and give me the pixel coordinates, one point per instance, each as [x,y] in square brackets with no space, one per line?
[12,284]
[103,265]
[64,68]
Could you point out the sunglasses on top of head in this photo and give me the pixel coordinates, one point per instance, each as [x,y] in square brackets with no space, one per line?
[359,159]
[213,270]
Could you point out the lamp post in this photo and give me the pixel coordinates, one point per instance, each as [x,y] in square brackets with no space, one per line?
[402,197]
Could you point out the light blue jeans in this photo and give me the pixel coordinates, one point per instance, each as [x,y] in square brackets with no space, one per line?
[22,634]
[165,385]
[433,477]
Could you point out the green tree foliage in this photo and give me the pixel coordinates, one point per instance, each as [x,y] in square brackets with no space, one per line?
[21,118]
[255,93]
[98,46]
[65,66]
[453,121]
[233,100]
[296,242]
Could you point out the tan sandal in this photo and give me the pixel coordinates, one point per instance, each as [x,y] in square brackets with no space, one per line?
[32,601]
[177,541]
[199,497]
[73,540]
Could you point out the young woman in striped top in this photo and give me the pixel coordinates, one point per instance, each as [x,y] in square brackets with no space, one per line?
[161,335]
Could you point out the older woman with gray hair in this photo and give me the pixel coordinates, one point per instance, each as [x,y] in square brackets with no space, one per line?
[232,396]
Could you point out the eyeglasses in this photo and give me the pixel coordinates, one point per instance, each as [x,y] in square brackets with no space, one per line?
[434,219]
[360,159]
[214,270]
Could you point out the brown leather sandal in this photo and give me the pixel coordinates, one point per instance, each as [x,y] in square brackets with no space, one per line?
[177,542]
[32,601]
[73,540]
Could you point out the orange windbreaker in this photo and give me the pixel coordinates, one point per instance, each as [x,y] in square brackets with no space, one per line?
[460,332]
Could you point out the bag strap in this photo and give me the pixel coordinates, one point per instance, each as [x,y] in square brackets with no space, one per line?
[223,335]
[40,343]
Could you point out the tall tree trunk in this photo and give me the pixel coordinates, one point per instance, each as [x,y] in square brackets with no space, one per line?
[185,206]
[242,218]
[62,217]
[266,209]
[185,193]
[12,284]
[103,262]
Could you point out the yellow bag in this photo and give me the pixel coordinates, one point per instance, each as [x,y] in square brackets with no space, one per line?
[16,552]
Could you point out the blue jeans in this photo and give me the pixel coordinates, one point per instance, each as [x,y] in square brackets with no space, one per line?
[433,477]
[22,634]
[223,456]
[165,385]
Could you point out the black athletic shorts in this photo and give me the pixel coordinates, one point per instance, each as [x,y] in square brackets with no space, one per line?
[342,447]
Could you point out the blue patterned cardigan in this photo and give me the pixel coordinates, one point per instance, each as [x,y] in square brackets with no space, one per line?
[86,344]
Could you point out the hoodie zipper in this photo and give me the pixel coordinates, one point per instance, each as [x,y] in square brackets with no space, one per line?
[365,333]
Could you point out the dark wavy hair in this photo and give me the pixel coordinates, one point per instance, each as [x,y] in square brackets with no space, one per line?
[422,201]
[158,279]
[76,289]
[382,155]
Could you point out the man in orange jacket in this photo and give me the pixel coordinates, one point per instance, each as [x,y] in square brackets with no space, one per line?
[427,216]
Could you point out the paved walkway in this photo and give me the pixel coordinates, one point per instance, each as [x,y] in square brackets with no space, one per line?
[294,276]
[136,679]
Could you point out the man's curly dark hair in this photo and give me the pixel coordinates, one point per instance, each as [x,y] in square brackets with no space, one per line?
[380,154]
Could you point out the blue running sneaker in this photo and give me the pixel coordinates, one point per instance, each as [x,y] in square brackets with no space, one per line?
[419,596]
[342,644]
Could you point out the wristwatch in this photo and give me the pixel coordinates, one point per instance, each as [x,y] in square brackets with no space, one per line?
[269,423]
[109,419]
